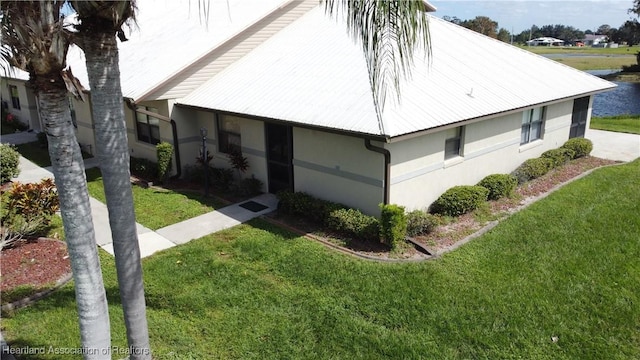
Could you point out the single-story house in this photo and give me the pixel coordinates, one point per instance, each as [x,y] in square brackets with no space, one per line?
[17,98]
[545,41]
[289,88]
[595,39]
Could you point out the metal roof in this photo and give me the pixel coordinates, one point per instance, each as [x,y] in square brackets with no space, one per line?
[170,35]
[313,73]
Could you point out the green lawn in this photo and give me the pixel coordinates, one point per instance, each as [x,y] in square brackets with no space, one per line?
[621,123]
[597,63]
[586,50]
[157,208]
[558,280]
[37,154]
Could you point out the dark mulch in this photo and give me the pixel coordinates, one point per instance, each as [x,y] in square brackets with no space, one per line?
[37,263]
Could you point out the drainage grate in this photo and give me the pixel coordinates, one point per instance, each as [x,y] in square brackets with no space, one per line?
[253,206]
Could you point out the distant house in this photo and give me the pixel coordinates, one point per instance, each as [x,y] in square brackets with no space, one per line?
[545,41]
[595,40]
[289,88]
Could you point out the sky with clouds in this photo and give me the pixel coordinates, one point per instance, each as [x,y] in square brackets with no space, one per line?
[517,15]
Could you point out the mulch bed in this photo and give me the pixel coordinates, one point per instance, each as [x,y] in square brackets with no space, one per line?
[36,263]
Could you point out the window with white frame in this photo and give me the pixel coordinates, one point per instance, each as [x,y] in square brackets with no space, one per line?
[532,125]
[15,97]
[228,135]
[453,143]
[147,126]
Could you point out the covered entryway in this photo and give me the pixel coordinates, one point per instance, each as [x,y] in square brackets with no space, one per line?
[279,141]
[579,117]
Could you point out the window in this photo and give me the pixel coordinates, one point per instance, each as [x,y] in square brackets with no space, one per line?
[15,97]
[148,127]
[453,143]
[228,135]
[532,125]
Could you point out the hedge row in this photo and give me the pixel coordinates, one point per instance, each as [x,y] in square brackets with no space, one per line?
[537,167]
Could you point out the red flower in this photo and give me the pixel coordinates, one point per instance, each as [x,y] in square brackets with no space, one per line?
[9,118]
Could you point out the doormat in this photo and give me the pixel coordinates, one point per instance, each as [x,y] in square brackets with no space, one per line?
[253,206]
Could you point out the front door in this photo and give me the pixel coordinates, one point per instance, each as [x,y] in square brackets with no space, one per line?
[279,157]
[579,117]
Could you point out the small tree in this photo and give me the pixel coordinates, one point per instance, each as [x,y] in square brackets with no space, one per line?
[238,162]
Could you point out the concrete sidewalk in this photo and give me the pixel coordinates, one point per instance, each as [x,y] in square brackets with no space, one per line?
[150,241]
[614,145]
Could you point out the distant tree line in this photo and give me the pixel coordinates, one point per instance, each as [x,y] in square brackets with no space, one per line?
[629,32]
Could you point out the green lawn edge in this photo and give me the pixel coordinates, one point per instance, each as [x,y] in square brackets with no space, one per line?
[621,123]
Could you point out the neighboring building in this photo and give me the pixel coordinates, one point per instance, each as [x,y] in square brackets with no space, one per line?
[545,41]
[290,89]
[595,40]
[17,98]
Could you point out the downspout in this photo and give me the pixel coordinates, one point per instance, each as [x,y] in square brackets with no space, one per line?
[387,167]
[174,130]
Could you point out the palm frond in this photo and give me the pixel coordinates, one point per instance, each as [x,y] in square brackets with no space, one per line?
[390,32]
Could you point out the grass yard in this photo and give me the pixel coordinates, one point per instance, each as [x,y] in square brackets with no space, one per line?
[156,208]
[558,280]
[621,123]
[586,50]
[37,154]
[598,63]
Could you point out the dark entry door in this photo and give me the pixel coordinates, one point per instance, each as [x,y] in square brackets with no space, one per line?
[579,117]
[279,157]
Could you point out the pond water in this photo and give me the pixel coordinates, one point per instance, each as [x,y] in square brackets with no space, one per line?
[625,99]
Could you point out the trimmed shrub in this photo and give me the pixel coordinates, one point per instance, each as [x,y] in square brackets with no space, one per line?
[249,187]
[559,156]
[143,168]
[164,151]
[354,223]
[420,223]
[220,178]
[499,185]
[459,200]
[393,225]
[43,141]
[580,146]
[9,161]
[531,169]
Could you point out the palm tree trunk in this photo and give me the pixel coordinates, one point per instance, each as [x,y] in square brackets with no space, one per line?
[68,169]
[101,51]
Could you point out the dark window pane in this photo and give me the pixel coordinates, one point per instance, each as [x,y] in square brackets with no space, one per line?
[451,148]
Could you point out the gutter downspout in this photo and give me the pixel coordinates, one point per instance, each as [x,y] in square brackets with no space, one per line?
[387,167]
[174,130]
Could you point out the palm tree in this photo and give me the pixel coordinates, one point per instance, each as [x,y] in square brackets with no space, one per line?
[100,21]
[34,40]
[390,32]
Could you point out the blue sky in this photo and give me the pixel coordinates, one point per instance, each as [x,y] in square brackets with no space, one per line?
[519,15]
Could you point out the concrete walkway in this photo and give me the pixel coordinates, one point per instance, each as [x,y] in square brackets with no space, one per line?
[614,145]
[150,241]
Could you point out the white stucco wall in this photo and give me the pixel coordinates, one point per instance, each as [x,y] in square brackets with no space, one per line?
[28,112]
[84,122]
[338,168]
[419,173]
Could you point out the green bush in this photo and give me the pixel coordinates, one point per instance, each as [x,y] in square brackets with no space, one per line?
[499,185]
[420,223]
[143,168]
[459,200]
[42,139]
[354,223]
[221,178]
[393,225]
[164,151]
[531,169]
[249,187]
[9,163]
[580,146]
[34,200]
[559,156]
